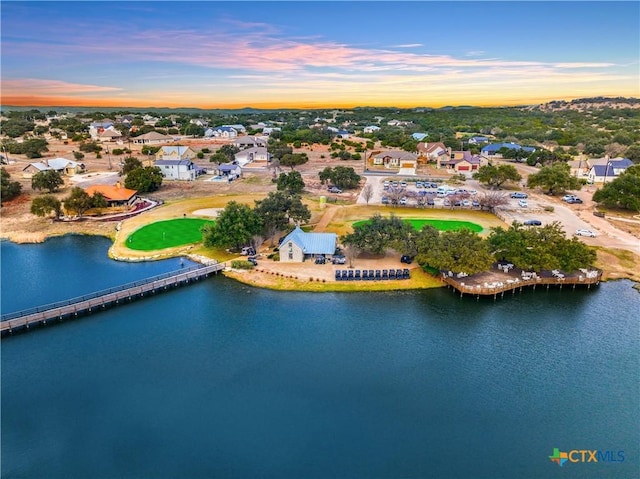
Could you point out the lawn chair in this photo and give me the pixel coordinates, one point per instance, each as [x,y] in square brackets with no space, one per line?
[357,275]
[385,274]
[338,276]
[365,274]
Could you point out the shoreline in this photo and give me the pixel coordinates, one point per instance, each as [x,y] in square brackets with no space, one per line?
[261,277]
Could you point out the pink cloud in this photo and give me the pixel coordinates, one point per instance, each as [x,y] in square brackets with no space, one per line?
[34,86]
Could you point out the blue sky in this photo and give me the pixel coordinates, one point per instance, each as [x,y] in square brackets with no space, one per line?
[316,54]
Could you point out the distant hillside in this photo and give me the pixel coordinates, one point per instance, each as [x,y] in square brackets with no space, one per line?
[595,103]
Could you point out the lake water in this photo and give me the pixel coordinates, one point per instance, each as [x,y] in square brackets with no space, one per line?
[223,380]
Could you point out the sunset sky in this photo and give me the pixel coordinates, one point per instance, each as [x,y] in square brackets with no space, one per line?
[316,54]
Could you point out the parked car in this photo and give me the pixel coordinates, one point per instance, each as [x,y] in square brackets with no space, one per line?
[430,202]
[248,251]
[320,260]
[519,194]
[386,184]
[385,200]
[523,203]
[533,223]
[466,203]
[418,184]
[574,201]
[339,259]
[403,200]
[253,261]
[582,232]
[568,197]
[406,259]
[403,184]
[475,204]
[335,189]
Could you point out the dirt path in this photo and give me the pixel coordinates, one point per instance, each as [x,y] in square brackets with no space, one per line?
[326,219]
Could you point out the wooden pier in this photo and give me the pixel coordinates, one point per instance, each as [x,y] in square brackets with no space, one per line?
[26,319]
[502,279]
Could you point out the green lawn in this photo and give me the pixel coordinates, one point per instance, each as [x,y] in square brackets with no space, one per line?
[442,225]
[167,234]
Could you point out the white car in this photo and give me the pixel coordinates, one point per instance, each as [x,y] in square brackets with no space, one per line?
[585,233]
[523,203]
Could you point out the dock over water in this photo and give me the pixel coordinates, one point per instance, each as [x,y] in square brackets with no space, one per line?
[504,277]
[26,319]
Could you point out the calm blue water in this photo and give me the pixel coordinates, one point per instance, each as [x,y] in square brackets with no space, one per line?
[222,380]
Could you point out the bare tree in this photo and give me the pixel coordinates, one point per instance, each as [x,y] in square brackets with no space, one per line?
[256,242]
[274,165]
[492,199]
[395,194]
[351,252]
[367,192]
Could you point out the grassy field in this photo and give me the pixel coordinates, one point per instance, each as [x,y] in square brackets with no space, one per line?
[442,225]
[167,234]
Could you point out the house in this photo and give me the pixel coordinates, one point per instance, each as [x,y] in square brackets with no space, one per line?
[115,195]
[61,165]
[298,246]
[608,172]
[491,150]
[478,140]
[175,153]
[151,138]
[224,132]
[431,151]
[199,122]
[250,155]
[98,128]
[579,168]
[109,135]
[395,159]
[238,128]
[248,142]
[178,169]
[230,170]
[270,129]
[419,136]
[460,162]
[370,129]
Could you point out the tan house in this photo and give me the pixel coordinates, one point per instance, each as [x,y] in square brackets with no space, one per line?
[431,151]
[151,138]
[61,165]
[395,159]
[460,162]
[175,153]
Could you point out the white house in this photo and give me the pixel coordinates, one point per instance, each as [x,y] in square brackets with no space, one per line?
[248,142]
[608,172]
[151,138]
[177,169]
[224,132]
[229,170]
[395,159]
[370,129]
[298,246]
[251,155]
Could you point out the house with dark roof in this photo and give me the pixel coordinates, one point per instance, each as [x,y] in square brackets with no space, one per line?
[608,172]
[299,246]
[248,142]
[431,151]
[477,140]
[461,162]
[230,170]
[224,132]
[491,150]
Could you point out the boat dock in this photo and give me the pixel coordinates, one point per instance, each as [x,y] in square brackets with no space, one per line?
[26,319]
[503,277]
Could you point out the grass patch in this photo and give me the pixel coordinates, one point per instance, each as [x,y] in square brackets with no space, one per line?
[167,234]
[441,225]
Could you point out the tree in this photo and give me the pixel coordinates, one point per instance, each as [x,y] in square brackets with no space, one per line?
[144,180]
[556,179]
[9,189]
[45,204]
[367,192]
[378,234]
[278,209]
[78,201]
[129,164]
[294,159]
[496,176]
[218,158]
[292,183]
[460,251]
[622,192]
[235,227]
[78,155]
[343,177]
[90,147]
[49,180]
[491,200]
[633,153]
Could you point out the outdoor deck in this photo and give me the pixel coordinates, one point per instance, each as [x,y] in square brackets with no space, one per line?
[504,277]
[24,320]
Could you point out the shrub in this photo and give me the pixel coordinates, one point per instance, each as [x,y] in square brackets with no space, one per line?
[241,264]
[549,209]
